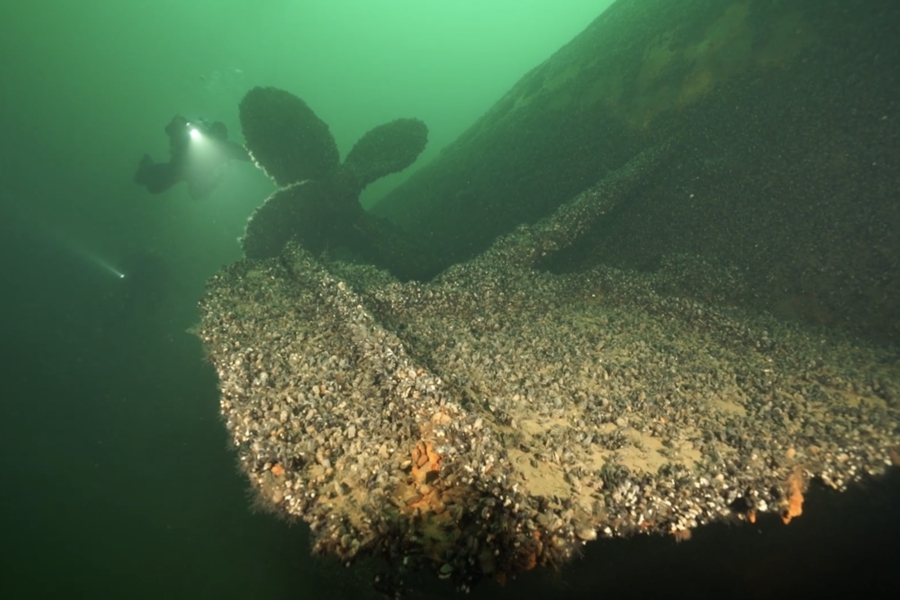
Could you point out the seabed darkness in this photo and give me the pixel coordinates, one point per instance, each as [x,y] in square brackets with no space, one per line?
[499,417]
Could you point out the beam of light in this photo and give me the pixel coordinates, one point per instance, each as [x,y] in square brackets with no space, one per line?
[104,265]
[43,230]
[69,243]
[195,134]
[93,259]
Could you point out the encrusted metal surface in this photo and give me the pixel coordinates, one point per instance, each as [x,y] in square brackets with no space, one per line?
[500,416]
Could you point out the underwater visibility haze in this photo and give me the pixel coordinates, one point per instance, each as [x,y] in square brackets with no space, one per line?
[511,298]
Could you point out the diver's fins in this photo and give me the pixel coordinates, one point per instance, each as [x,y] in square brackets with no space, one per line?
[142,176]
[156,177]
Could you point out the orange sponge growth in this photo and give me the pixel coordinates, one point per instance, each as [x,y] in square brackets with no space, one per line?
[794,506]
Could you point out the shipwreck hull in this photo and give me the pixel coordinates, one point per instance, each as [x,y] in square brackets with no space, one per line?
[500,416]
[587,357]
[789,168]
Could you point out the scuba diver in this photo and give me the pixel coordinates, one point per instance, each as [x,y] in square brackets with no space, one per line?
[199,152]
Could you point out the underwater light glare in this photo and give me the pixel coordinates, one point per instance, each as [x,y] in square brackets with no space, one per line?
[105,266]
[195,133]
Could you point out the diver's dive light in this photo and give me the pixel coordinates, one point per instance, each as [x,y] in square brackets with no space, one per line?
[68,242]
[197,129]
[43,232]
[105,266]
[93,259]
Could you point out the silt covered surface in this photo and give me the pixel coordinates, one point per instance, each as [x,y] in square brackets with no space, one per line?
[788,168]
[500,416]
